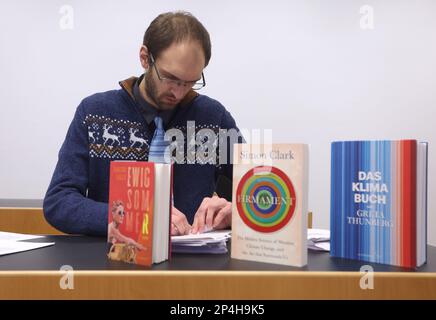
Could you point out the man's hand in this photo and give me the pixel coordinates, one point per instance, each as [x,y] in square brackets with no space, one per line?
[179,223]
[213,213]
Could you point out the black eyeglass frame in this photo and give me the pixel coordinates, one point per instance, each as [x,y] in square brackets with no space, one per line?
[194,85]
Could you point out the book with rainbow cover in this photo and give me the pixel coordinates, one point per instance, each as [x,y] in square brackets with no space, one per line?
[270,194]
[379,201]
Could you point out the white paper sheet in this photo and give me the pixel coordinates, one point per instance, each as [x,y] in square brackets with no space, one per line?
[207,236]
[318,246]
[318,234]
[214,242]
[10,236]
[318,239]
[8,247]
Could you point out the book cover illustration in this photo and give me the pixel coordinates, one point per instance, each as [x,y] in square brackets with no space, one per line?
[269,203]
[131,204]
[378,201]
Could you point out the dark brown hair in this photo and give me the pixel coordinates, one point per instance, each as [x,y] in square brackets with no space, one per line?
[175,27]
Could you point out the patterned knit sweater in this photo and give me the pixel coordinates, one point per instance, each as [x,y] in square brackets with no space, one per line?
[109,126]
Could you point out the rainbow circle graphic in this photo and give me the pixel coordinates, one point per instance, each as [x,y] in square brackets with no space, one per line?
[265,199]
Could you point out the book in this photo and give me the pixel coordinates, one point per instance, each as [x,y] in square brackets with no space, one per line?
[140,196]
[269,213]
[379,201]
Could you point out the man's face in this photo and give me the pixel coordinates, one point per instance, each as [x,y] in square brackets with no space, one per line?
[184,62]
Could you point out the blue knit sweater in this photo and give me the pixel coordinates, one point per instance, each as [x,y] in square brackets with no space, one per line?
[109,126]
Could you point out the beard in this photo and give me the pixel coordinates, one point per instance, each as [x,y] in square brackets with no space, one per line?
[155,97]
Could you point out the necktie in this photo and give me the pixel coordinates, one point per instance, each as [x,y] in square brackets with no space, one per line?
[158,151]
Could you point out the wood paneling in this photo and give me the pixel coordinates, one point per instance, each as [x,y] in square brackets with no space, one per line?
[214,285]
[25,220]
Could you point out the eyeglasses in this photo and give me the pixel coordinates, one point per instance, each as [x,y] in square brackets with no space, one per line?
[121,213]
[195,85]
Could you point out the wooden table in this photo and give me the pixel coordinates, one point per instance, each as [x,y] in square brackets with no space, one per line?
[36,274]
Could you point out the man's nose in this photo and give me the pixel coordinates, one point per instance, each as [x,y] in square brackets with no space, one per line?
[178,91]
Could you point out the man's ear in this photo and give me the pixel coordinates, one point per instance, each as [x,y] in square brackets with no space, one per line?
[143,57]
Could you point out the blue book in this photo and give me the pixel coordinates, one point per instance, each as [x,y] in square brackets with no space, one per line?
[379,201]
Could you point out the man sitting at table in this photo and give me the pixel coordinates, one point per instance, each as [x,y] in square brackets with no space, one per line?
[123,124]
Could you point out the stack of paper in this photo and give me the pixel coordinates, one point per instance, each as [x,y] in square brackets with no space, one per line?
[318,239]
[215,241]
[11,243]
[209,242]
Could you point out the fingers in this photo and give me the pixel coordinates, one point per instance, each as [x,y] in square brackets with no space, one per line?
[199,218]
[207,213]
[176,212]
[180,228]
[174,230]
[179,223]
[223,219]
